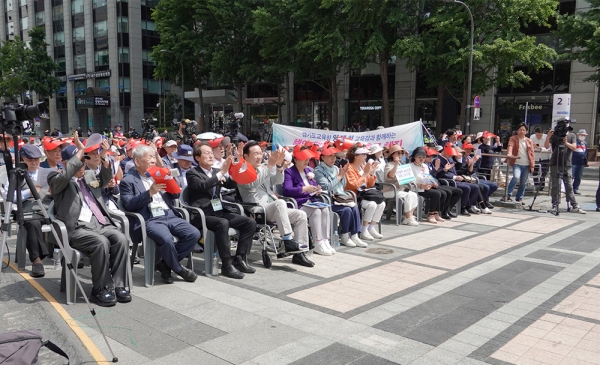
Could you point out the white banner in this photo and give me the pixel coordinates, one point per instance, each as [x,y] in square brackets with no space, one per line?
[405,175]
[409,136]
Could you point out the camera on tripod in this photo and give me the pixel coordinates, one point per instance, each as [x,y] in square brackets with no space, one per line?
[148,128]
[233,127]
[562,128]
[13,114]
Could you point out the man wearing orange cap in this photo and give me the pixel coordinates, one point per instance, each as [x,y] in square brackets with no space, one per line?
[52,149]
[444,164]
[291,223]
[141,194]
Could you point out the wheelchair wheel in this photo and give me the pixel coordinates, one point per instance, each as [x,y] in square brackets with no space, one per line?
[266,259]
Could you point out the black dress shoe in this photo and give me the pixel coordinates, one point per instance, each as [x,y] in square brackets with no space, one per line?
[239,262]
[80,265]
[231,272]
[446,216]
[104,297]
[136,260]
[489,205]
[188,275]
[301,259]
[464,211]
[165,272]
[451,214]
[123,295]
[37,270]
[293,246]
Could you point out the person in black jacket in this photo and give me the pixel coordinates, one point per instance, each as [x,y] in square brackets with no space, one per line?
[204,187]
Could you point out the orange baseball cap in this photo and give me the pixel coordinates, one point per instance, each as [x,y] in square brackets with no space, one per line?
[302,154]
[214,143]
[467,146]
[51,143]
[449,150]
[242,172]
[329,150]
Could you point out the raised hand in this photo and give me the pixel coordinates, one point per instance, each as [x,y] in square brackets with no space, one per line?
[155,188]
[226,164]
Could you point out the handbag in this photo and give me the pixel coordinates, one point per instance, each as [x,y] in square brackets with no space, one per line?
[22,347]
[373,194]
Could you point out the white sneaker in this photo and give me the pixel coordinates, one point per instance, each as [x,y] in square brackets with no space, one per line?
[486,210]
[476,209]
[331,249]
[359,242]
[375,234]
[347,241]
[365,235]
[321,249]
[410,221]
[577,210]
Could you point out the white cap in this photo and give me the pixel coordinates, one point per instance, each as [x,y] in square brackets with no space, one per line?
[376,148]
[362,151]
[170,143]
[479,135]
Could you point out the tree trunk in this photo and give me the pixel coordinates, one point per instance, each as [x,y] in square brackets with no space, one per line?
[385,99]
[333,116]
[279,104]
[288,101]
[439,110]
[201,126]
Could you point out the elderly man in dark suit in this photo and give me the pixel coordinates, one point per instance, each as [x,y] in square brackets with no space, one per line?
[141,194]
[204,184]
[77,202]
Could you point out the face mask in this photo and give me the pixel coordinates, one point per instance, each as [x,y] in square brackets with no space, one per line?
[459,159]
[581,138]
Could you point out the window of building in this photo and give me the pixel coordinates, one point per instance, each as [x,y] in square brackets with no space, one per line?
[124,85]
[40,18]
[152,86]
[123,24]
[57,12]
[121,1]
[62,64]
[78,34]
[79,62]
[101,58]
[80,87]
[103,83]
[76,7]
[24,23]
[59,39]
[148,25]
[123,54]
[9,5]
[147,58]
[23,3]
[150,3]
[99,3]
[10,28]
[100,29]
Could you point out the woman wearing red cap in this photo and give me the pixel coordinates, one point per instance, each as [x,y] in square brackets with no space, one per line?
[362,175]
[489,143]
[299,184]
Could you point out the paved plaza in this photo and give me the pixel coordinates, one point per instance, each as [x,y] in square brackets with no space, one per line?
[514,287]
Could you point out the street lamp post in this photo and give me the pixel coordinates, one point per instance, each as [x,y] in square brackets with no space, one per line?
[470,81]
[182,85]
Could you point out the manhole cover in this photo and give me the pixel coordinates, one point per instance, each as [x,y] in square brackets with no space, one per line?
[379,251]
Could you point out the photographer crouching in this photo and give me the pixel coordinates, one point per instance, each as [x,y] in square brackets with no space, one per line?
[563,144]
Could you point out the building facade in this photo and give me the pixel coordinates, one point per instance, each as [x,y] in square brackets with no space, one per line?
[103,50]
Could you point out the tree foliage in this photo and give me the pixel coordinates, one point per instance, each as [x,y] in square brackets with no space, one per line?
[581,33]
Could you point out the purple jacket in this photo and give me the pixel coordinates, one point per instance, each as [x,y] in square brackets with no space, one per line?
[292,185]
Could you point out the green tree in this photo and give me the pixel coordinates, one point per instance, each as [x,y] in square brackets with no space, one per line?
[183,55]
[40,66]
[13,66]
[379,23]
[278,33]
[581,33]
[441,47]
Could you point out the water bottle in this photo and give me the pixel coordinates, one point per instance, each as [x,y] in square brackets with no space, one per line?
[57,265]
[215,264]
[335,240]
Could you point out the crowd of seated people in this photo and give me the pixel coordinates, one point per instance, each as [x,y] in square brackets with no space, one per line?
[339,178]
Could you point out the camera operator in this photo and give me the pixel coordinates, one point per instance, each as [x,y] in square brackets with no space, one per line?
[563,144]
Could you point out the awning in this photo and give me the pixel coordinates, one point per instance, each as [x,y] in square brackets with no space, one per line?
[220,96]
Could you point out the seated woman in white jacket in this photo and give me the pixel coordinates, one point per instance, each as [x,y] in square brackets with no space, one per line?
[411,199]
[427,185]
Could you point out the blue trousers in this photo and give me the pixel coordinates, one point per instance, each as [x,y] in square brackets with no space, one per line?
[520,174]
[577,175]
[162,229]
[487,189]
[470,194]
[349,219]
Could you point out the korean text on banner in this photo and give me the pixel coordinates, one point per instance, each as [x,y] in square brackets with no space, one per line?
[404,174]
[409,136]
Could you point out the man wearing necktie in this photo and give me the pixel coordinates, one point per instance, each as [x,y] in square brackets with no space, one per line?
[90,228]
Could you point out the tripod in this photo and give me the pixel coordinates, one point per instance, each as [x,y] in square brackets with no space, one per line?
[560,166]
[537,191]
[17,176]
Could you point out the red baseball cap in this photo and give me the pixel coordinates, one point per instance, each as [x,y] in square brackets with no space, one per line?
[303,154]
[162,175]
[93,142]
[466,146]
[51,143]
[329,150]
[487,134]
[450,150]
[214,143]
[242,172]
[263,143]
[431,151]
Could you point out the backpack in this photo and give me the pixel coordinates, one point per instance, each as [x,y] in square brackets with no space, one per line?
[22,347]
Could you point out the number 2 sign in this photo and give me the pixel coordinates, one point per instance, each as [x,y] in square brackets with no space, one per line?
[561,107]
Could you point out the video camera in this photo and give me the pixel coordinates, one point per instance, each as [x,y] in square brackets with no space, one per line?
[148,128]
[562,128]
[233,127]
[188,130]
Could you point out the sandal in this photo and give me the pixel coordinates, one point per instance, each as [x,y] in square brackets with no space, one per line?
[431,219]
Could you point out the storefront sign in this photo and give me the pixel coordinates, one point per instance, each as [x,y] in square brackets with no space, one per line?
[91,75]
[92,101]
[371,107]
[409,136]
[561,107]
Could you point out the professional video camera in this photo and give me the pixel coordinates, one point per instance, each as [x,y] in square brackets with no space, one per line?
[562,128]
[148,128]
[189,129]
[233,127]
